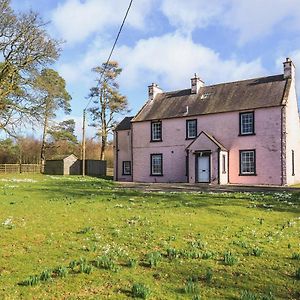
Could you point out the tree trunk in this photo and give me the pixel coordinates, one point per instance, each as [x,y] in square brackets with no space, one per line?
[103,146]
[43,147]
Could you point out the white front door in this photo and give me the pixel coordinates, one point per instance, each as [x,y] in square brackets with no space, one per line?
[203,168]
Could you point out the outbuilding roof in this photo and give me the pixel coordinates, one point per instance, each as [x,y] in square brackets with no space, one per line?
[233,96]
[125,124]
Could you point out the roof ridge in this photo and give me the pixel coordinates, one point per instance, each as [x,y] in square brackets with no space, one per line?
[223,83]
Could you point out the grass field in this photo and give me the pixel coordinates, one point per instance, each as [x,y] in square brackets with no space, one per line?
[84,238]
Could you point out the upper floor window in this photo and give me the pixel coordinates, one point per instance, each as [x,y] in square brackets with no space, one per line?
[126,167]
[247,123]
[191,129]
[247,162]
[156,131]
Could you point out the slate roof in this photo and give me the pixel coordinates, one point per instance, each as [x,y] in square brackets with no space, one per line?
[233,96]
[125,124]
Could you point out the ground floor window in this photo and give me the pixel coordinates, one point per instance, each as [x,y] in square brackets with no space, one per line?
[247,162]
[293,163]
[156,164]
[224,164]
[126,167]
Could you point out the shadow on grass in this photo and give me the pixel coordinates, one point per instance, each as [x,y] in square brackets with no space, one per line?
[94,188]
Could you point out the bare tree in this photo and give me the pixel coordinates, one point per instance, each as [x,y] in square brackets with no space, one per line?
[25,48]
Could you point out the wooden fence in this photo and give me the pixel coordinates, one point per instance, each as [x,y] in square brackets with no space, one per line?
[20,168]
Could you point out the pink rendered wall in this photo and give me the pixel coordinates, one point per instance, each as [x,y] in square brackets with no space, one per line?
[292,136]
[225,128]
[124,154]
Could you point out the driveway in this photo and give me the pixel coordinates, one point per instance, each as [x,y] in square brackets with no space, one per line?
[188,187]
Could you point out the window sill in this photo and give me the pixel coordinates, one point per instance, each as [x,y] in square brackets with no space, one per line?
[190,138]
[246,134]
[155,141]
[156,175]
[126,174]
[254,174]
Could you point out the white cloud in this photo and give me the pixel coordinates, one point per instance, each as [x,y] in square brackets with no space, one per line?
[187,16]
[76,20]
[170,60]
[252,19]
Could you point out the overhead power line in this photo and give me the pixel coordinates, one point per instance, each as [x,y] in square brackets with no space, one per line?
[113,47]
[100,81]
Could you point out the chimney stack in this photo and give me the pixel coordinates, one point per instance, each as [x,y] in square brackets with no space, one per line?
[289,69]
[196,84]
[153,90]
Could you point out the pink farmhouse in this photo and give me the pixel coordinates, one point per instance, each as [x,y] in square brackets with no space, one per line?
[245,132]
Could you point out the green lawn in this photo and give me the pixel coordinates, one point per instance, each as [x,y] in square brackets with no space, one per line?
[172,243]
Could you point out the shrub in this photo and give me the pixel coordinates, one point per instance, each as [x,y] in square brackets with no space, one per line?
[196,297]
[256,251]
[198,244]
[190,254]
[85,230]
[153,259]
[229,259]
[46,275]
[31,281]
[207,255]
[106,262]
[296,256]
[172,253]
[61,271]
[73,264]
[208,275]
[247,295]
[297,274]
[139,290]
[85,268]
[193,278]
[132,263]
[191,287]
[268,297]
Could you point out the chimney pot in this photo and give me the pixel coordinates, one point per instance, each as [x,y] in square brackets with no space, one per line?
[153,90]
[196,84]
[289,69]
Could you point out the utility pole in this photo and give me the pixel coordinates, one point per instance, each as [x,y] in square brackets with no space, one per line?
[84,111]
[83,143]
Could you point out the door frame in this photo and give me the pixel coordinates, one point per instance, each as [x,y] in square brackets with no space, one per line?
[197,155]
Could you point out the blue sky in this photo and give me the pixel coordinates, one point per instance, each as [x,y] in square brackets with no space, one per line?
[167,41]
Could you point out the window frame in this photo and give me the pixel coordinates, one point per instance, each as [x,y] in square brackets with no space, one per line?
[151,131]
[240,123]
[293,163]
[224,164]
[187,137]
[240,162]
[123,168]
[151,164]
